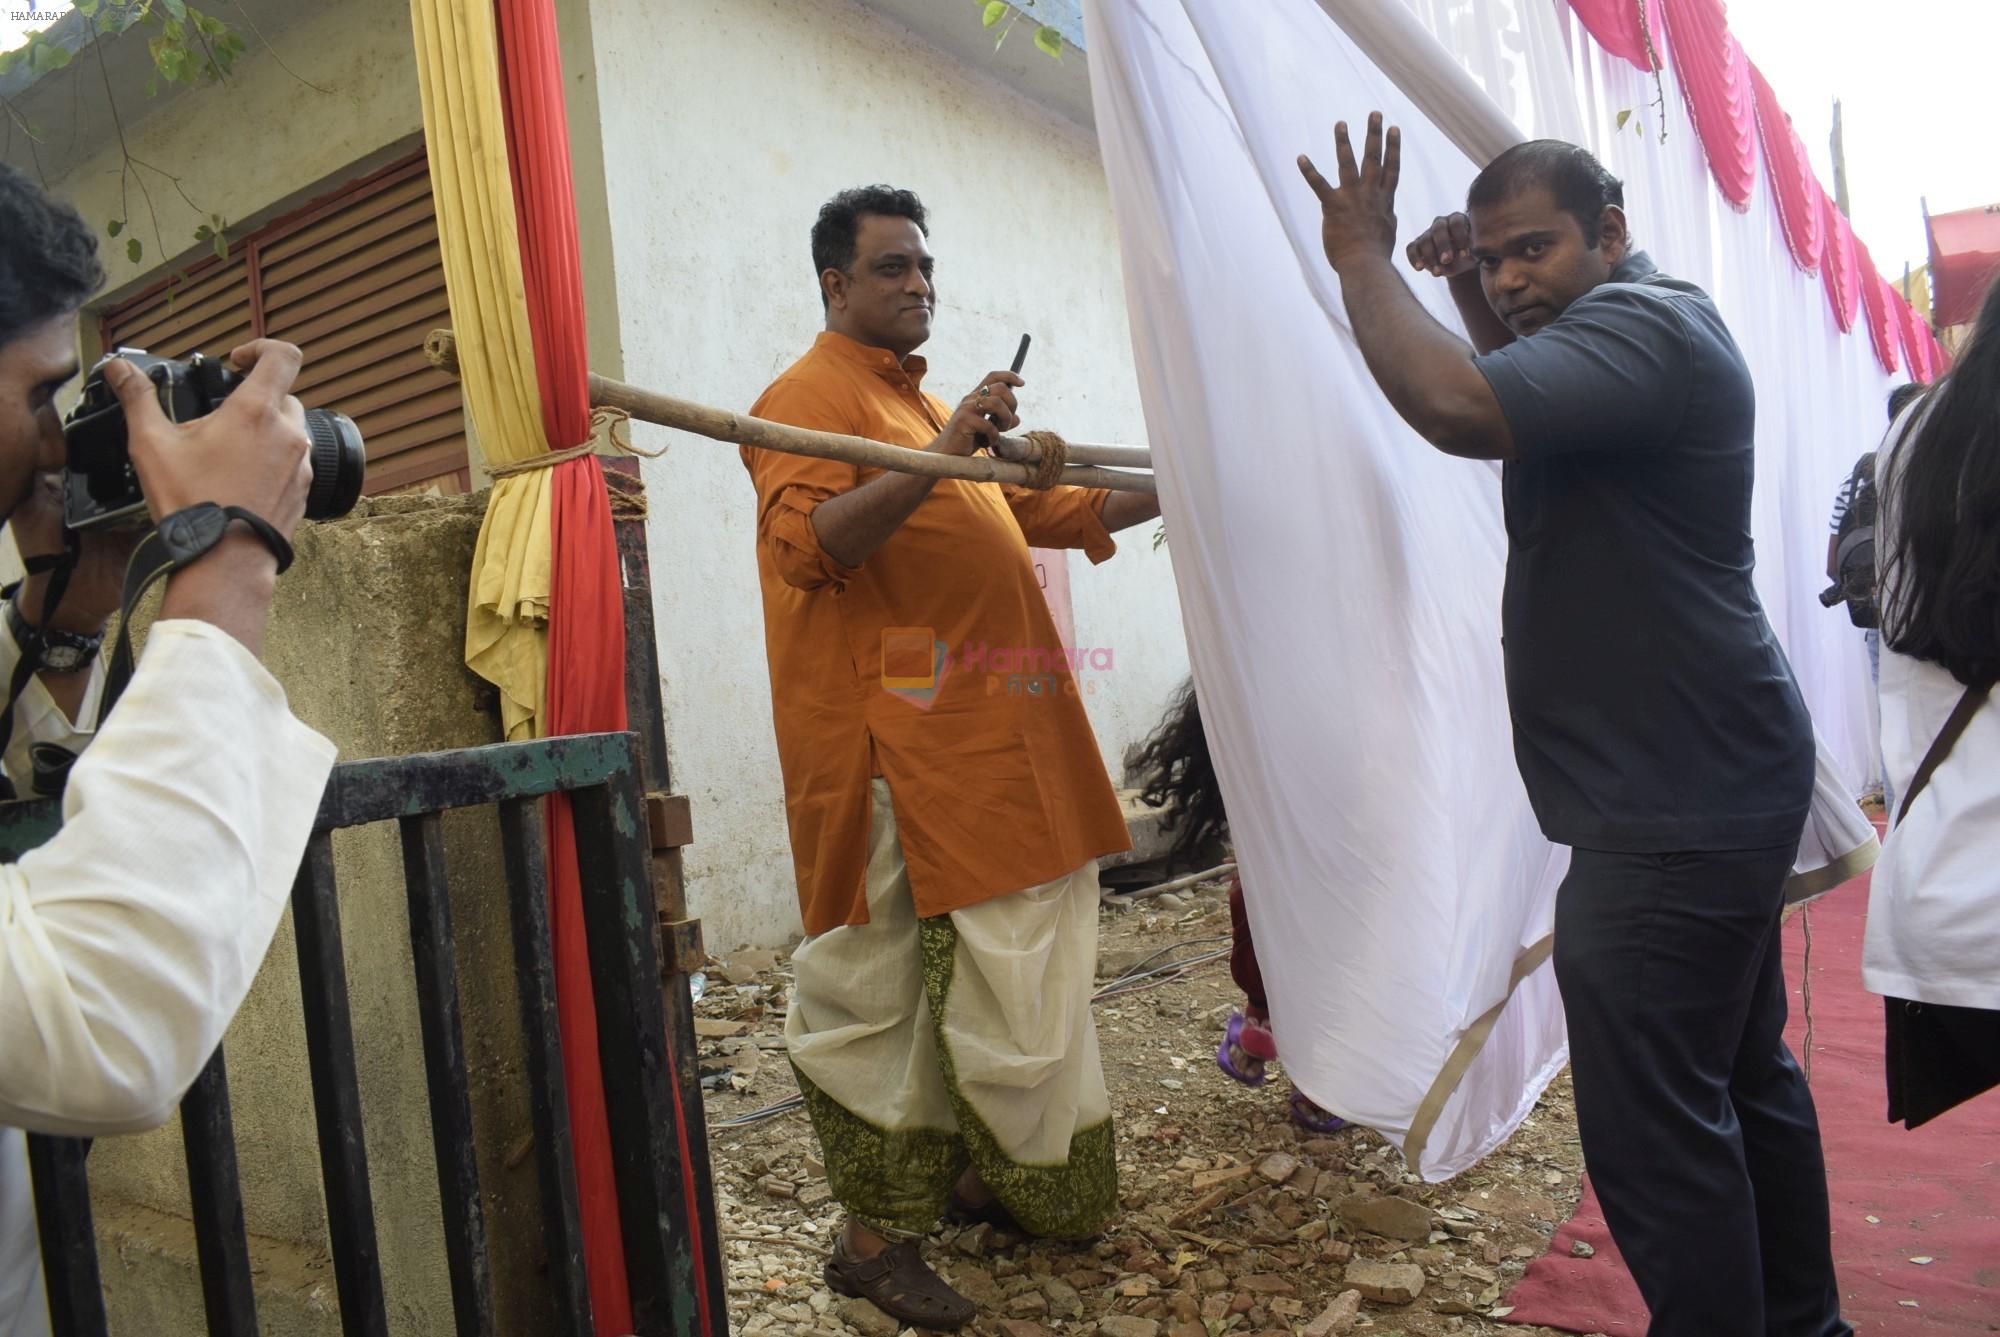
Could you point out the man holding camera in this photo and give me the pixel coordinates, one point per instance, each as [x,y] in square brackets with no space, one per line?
[128,941]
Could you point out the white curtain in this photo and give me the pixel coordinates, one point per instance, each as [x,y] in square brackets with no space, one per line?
[1821,395]
[1340,579]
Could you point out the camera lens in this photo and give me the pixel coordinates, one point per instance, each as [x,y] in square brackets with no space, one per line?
[339,463]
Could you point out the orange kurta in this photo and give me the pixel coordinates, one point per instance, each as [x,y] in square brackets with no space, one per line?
[974,718]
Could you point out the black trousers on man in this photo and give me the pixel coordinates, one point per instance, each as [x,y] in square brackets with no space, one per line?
[1698,1129]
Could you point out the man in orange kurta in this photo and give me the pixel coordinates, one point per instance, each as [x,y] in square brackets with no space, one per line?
[946,798]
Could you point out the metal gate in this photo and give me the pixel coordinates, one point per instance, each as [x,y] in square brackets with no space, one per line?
[652,1092]
[642,946]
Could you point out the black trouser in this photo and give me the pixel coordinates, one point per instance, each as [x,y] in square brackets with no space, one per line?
[1698,1130]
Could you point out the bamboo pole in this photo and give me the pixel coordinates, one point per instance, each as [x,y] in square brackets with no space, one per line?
[1088,469]
[744,430]
[1110,897]
[1022,450]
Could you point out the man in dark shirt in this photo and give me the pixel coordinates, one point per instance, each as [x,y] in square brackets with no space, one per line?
[1656,722]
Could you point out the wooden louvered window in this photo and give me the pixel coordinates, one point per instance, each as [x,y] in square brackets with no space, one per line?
[355,279]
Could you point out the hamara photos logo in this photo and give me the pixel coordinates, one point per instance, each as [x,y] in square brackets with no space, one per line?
[916,664]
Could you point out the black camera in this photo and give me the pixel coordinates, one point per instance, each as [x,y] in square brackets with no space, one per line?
[101,488]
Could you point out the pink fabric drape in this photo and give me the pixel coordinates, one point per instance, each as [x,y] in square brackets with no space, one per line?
[1714,76]
[1794,189]
[1878,302]
[1732,104]
[1615,25]
[1838,265]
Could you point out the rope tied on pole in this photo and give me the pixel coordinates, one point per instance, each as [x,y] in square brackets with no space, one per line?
[1051,454]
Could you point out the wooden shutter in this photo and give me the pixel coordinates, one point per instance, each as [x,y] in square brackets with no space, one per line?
[356,281]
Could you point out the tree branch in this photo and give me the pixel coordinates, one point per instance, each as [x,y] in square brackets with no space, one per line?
[258,33]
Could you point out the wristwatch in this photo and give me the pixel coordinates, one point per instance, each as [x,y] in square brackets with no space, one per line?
[54,651]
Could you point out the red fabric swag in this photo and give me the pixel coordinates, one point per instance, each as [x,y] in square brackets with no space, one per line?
[1878,301]
[1915,355]
[1615,26]
[1714,76]
[1794,188]
[1837,264]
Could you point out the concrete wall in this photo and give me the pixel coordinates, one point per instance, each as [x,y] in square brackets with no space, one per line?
[366,639]
[266,141]
[705,135]
[726,124]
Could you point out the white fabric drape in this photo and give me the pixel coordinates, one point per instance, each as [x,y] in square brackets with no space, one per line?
[1340,579]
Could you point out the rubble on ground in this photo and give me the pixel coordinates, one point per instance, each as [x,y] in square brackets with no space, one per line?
[1235,1220]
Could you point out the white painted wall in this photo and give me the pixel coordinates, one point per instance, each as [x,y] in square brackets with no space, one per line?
[726,124]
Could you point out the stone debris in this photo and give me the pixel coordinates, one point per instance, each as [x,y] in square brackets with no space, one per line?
[1338,1317]
[1232,1220]
[1391,1283]
[1390,1217]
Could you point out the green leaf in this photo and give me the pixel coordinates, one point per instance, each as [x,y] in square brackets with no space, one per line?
[204,233]
[133,250]
[114,227]
[177,8]
[1623,117]
[44,56]
[88,8]
[221,247]
[152,86]
[995,11]
[1049,41]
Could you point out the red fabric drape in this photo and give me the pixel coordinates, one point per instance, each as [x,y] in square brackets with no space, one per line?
[586,685]
[1965,258]
[1615,26]
[1794,189]
[1915,341]
[545,206]
[1837,263]
[1714,76]
[1878,305]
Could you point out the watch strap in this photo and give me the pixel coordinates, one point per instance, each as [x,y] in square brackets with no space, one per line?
[178,541]
[36,642]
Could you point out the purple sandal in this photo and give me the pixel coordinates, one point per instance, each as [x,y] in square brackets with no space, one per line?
[1248,1038]
[1312,1118]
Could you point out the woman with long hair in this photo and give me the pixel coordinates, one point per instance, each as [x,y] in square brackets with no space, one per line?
[1180,780]
[1933,946]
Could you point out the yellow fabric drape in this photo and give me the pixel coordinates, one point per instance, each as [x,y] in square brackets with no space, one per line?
[465,134]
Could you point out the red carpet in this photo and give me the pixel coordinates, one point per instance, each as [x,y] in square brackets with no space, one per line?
[1897,1195]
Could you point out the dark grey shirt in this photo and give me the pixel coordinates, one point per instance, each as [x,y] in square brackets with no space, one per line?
[1653,709]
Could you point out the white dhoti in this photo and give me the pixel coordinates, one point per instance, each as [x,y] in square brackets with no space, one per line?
[926,1045]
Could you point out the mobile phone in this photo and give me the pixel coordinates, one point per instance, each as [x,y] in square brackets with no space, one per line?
[1020,356]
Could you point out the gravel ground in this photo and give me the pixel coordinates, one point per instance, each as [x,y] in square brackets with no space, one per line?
[1235,1220]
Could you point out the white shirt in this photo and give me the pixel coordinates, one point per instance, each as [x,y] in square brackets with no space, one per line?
[129,940]
[1934,911]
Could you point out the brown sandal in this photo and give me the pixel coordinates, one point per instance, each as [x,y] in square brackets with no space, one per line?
[897,1282]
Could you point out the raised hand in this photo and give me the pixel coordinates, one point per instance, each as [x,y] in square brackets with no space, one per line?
[1444,250]
[1358,217]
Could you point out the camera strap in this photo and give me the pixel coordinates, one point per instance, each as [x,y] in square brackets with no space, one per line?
[59,566]
[178,541]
